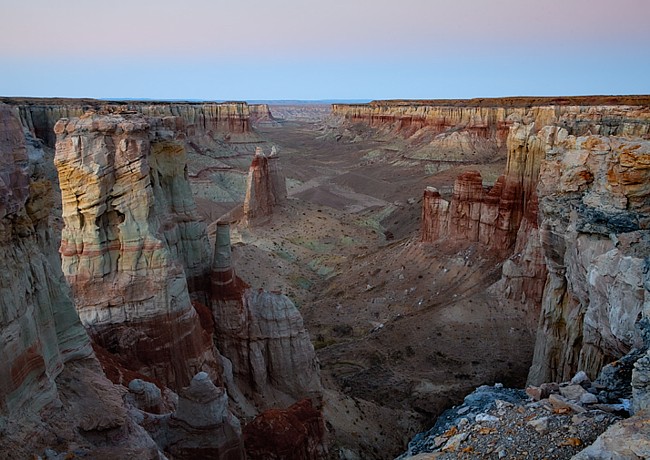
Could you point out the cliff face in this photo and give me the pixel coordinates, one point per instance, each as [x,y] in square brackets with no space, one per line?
[595,232]
[572,204]
[442,130]
[262,334]
[205,123]
[502,218]
[39,327]
[52,388]
[131,241]
[260,114]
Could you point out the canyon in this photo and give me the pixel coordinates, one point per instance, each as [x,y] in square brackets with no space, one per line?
[345,278]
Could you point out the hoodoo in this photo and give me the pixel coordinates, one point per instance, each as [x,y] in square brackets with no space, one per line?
[265,188]
[263,335]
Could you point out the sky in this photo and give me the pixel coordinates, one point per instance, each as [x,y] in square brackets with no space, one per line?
[323,49]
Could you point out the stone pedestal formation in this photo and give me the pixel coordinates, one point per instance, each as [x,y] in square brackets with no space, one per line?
[265,188]
[263,335]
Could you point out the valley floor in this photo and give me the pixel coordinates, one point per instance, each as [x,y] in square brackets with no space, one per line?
[402,329]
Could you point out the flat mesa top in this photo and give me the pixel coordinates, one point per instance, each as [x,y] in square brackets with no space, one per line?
[507,102]
[99,102]
[517,101]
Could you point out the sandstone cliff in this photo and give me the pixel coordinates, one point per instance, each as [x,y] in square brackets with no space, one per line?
[52,388]
[477,130]
[502,218]
[260,114]
[588,228]
[39,326]
[595,232]
[206,124]
[131,241]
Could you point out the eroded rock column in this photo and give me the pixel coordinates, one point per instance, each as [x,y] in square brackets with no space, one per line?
[130,237]
[263,335]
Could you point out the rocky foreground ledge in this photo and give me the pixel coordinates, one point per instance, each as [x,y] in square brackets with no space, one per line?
[606,419]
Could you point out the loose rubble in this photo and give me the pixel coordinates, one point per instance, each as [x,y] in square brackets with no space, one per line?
[553,421]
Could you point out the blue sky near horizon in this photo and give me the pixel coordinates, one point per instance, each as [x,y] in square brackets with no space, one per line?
[352,49]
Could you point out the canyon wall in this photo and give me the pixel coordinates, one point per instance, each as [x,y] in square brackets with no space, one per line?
[477,130]
[205,123]
[260,114]
[53,392]
[595,233]
[569,217]
[131,241]
[39,327]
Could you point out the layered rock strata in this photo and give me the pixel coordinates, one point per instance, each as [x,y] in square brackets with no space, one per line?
[203,426]
[501,218]
[595,232]
[592,238]
[265,188]
[589,223]
[131,241]
[205,122]
[455,130]
[53,392]
[262,334]
[260,114]
[39,328]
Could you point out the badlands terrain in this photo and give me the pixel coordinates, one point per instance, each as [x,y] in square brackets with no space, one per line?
[322,282]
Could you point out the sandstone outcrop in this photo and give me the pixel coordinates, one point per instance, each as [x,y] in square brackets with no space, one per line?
[132,240]
[52,389]
[477,129]
[39,328]
[260,114]
[206,124]
[475,213]
[628,439]
[595,233]
[501,218]
[553,419]
[589,228]
[295,433]
[265,188]
[262,334]
[203,426]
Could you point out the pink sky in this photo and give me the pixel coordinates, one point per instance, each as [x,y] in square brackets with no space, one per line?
[298,27]
[341,32]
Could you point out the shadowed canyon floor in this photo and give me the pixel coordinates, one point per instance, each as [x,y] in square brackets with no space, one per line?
[393,320]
